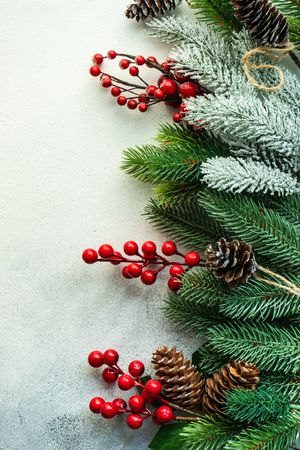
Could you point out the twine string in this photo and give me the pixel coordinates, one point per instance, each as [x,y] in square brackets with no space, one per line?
[274,53]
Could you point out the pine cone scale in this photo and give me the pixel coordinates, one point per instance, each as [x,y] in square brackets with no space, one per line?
[182,383]
[233,261]
[142,9]
[235,375]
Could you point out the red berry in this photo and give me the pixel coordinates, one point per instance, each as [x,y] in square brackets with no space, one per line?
[169,248]
[159,94]
[132,104]
[106,251]
[108,410]
[165,66]
[109,375]
[95,358]
[192,258]
[116,259]
[122,100]
[151,59]
[124,64]
[143,107]
[125,272]
[134,71]
[164,414]
[136,403]
[96,404]
[111,54]
[149,248]
[151,89]
[161,79]
[98,58]
[130,248]
[179,76]
[111,357]
[134,421]
[176,270]
[153,387]
[169,87]
[89,256]
[120,405]
[134,270]
[95,71]
[140,60]
[125,382]
[147,397]
[177,117]
[136,368]
[106,82]
[143,98]
[174,284]
[115,91]
[188,89]
[148,276]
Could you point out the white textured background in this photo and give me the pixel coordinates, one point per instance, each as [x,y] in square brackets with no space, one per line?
[61,191]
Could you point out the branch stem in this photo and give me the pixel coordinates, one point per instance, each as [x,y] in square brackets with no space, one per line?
[295,59]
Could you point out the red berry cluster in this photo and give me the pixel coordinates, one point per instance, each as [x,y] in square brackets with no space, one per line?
[136,408]
[148,257]
[172,86]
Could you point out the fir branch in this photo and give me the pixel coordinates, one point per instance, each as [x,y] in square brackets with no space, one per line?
[272,236]
[261,405]
[294,30]
[209,433]
[136,162]
[169,194]
[175,30]
[254,127]
[259,301]
[187,223]
[289,208]
[217,13]
[279,435]
[191,316]
[287,384]
[268,346]
[207,360]
[245,175]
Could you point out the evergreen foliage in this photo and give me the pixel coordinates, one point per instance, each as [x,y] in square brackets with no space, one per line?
[238,175]
[268,346]
[208,433]
[279,435]
[261,405]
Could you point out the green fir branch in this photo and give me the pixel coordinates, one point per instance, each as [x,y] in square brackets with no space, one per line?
[260,405]
[209,433]
[271,235]
[217,13]
[191,316]
[266,345]
[207,360]
[287,384]
[279,435]
[177,194]
[187,223]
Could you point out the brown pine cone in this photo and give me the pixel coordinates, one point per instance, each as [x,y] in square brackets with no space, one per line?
[182,383]
[233,261]
[142,9]
[263,21]
[235,375]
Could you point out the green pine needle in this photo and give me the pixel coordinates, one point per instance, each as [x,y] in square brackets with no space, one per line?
[261,405]
[279,435]
[287,384]
[271,235]
[207,360]
[266,345]
[209,433]
[187,223]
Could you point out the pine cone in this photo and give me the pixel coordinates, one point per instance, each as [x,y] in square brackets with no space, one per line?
[233,261]
[182,383]
[235,375]
[263,21]
[142,9]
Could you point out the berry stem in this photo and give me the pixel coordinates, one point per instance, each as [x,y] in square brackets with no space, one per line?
[187,418]
[174,406]
[126,83]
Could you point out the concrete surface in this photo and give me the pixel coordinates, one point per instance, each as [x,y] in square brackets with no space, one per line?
[62,191]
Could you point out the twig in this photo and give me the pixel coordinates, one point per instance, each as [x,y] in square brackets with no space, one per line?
[295,59]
